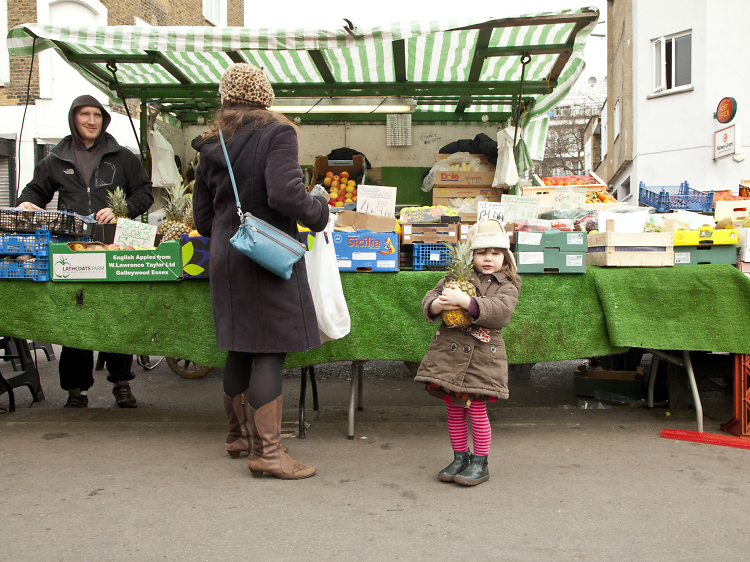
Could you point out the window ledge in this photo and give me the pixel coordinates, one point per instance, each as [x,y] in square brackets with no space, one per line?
[677,90]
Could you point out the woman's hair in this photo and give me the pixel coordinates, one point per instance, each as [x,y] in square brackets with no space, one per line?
[509,265]
[232,116]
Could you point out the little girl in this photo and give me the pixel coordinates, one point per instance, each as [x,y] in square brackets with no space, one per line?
[465,367]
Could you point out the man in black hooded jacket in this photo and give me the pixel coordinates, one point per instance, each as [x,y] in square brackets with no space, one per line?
[83,169]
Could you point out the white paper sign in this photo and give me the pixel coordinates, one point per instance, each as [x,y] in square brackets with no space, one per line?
[724,142]
[569,197]
[490,210]
[132,233]
[517,207]
[377,200]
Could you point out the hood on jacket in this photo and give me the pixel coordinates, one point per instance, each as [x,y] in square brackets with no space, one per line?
[84,101]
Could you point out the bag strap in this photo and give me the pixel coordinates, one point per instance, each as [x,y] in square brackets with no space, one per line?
[231,175]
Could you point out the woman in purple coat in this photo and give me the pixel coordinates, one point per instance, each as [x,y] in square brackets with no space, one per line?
[258,316]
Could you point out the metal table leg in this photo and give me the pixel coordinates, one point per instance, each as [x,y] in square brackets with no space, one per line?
[361,386]
[352,391]
[29,375]
[302,393]
[688,365]
[652,380]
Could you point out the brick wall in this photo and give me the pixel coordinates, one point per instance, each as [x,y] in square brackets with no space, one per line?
[14,93]
[120,12]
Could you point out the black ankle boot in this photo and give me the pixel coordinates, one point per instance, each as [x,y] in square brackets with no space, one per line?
[460,460]
[475,473]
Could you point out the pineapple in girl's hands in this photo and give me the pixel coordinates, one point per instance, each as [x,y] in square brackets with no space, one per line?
[459,273]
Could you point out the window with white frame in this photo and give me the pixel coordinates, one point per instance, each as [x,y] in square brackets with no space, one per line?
[616,119]
[671,62]
[215,12]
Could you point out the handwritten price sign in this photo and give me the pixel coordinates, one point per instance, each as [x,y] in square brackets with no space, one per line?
[567,197]
[377,200]
[517,207]
[132,233]
[490,210]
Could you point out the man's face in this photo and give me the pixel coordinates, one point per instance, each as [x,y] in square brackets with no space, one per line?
[88,123]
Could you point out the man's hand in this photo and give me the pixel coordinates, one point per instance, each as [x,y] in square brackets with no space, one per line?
[28,206]
[105,215]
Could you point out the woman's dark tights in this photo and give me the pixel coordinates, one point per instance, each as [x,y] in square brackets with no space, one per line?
[260,372]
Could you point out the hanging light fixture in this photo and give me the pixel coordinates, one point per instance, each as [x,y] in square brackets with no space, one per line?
[345,105]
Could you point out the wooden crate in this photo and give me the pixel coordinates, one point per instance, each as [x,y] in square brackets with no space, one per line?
[430,234]
[620,249]
[736,210]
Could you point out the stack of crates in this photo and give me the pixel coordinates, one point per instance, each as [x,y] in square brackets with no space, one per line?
[25,256]
[705,246]
[25,236]
[551,251]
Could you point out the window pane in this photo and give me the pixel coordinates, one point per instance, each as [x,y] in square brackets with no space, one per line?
[657,65]
[668,58]
[682,60]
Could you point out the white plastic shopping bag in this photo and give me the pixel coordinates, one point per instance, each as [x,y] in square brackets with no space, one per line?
[325,284]
[163,168]
[506,173]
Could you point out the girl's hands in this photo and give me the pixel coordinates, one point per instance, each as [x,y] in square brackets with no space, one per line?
[452,298]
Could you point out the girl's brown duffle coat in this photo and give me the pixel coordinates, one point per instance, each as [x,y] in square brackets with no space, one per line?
[254,310]
[458,361]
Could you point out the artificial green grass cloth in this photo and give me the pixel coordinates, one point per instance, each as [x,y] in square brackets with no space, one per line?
[559,316]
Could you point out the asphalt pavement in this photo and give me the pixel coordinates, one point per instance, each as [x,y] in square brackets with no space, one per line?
[154,483]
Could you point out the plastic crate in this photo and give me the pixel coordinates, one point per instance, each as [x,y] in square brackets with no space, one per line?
[670,198]
[36,244]
[430,255]
[57,222]
[36,269]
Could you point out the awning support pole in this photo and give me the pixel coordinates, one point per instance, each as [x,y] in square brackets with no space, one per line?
[525,59]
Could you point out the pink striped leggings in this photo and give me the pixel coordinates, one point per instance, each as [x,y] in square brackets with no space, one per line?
[481,433]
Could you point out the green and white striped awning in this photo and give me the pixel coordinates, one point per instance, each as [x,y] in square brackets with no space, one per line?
[455,70]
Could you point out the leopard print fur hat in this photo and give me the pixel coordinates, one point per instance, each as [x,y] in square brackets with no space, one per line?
[244,83]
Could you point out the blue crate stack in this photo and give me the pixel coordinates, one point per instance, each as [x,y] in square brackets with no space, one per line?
[673,197]
[34,268]
[430,255]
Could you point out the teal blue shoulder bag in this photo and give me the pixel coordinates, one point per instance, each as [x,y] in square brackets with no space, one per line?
[266,245]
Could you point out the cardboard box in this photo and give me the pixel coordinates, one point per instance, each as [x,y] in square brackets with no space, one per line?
[744,267]
[484,164]
[706,235]
[551,260]
[162,264]
[563,241]
[705,254]
[454,178]
[624,383]
[425,234]
[464,192]
[195,256]
[367,250]
[351,221]
[425,215]
[356,168]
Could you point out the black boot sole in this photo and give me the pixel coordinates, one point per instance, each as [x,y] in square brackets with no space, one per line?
[470,481]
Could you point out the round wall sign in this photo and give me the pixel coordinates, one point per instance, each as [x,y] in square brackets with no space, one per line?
[726,110]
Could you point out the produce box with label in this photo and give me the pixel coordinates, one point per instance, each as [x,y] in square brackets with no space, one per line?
[195,256]
[92,261]
[366,242]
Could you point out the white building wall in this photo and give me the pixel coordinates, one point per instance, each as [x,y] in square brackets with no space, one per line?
[673,133]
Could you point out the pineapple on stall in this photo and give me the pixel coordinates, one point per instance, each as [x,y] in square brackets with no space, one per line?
[174,222]
[117,202]
[459,272]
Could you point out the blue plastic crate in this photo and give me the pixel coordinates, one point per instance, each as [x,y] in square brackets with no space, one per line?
[670,198]
[430,255]
[36,269]
[36,244]
[64,239]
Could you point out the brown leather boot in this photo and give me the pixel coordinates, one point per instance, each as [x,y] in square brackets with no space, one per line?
[237,414]
[266,453]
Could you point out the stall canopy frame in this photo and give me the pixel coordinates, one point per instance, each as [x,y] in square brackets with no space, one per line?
[457,70]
